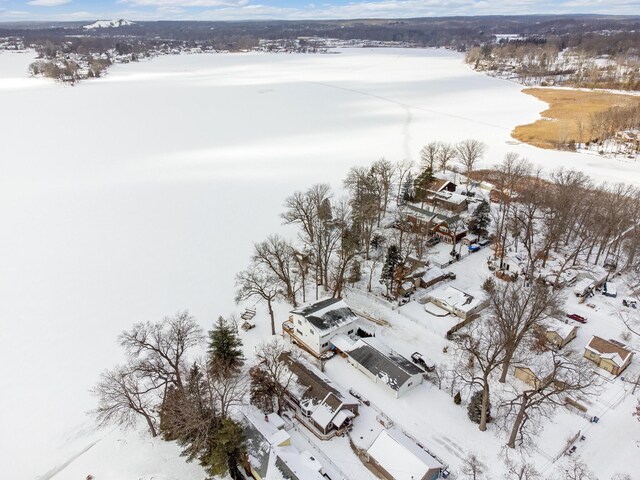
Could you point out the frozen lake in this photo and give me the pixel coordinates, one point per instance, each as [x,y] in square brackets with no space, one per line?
[137,195]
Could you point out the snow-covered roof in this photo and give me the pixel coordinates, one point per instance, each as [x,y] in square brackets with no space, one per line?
[399,455]
[310,383]
[323,414]
[435,310]
[611,288]
[450,197]
[456,298]
[433,217]
[328,314]
[342,342]
[440,184]
[275,420]
[296,465]
[609,350]
[377,358]
[562,329]
[258,448]
[341,417]
[583,285]
[432,273]
[541,365]
[280,437]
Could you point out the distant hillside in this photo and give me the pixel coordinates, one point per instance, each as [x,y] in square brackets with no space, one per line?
[109,24]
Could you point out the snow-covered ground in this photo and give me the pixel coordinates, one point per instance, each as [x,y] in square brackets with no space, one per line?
[133,196]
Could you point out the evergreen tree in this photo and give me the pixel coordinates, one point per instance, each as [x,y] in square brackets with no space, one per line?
[389,268]
[474,409]
[408,192]
[225,345]
[422,184]
[227,448]
[355,272]
[481,218]
[262,390]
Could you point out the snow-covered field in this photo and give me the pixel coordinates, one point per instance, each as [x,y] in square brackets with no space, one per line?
[137,195]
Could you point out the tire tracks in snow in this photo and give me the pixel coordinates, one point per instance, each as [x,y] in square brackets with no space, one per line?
[409,115]
[58,468]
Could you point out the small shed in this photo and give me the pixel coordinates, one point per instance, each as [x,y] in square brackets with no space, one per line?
[399,457]
[609,289]
[559,333]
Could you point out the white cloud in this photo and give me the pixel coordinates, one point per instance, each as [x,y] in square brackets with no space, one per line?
[48,3]
[185,3]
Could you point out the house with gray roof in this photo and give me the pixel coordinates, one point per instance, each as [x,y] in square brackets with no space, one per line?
[384,366]
[271,455]
[312,326]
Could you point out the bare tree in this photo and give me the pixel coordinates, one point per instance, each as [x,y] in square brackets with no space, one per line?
[470,152]
[574,469]
[402,169]
[385,171]
[272,358]
[522,470]
[510,174]
[365,202]
[473,467]
[446,154]
[277,257]
[125,394]
[482,351]
[226,386]
[346,254]
[258,281]
[516,311]
[160,347]
[558,379]
[429,156]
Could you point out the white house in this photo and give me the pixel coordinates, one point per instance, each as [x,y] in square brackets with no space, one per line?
[399,457]
[457,302]
[315,324]
[382,365]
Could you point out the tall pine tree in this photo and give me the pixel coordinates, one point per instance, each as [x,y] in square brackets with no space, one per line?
[225,345]
[389,268]
[408,192]
[474,410]
[422,184]
[481,218]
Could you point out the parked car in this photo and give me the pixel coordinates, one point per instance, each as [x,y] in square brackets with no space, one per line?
[433,241]
[484,242]
[450,275]
[419,359]
[576,317]
[474,248]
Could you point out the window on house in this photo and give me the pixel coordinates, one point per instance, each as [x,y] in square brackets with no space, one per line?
[324,345]
[409,384]
[311,331]
[299,322]
[299,332]
[350,332]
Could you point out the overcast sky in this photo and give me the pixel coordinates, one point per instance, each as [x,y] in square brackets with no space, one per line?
[15,10]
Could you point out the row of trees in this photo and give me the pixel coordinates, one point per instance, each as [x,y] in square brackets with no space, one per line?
[338,240]
[557,61]
[566,216]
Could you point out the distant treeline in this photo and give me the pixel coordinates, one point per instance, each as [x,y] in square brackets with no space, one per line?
[453,32]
